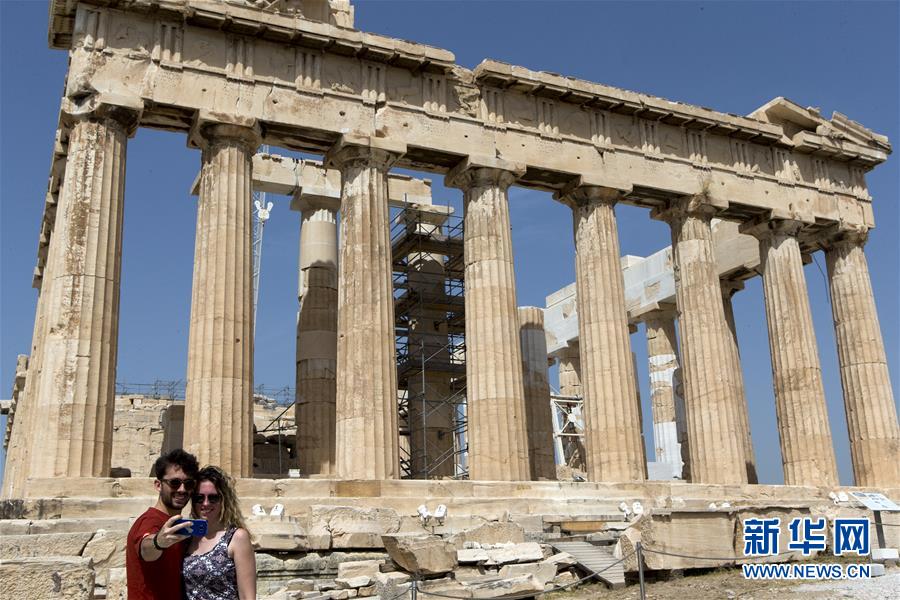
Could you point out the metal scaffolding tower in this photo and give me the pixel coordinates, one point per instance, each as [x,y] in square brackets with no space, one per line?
[429,312]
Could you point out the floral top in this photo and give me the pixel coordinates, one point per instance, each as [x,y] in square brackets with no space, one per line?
[212,575]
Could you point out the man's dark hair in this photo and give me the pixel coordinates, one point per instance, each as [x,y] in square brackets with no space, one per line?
[178,458]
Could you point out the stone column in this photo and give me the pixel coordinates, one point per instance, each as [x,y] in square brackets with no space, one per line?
[806,450]
[317,335]
[218,419]
[668,432]
[729,289]
[611,409]
[710,386]
[538,412]
[868,396]
[498,444]
[73,413]
[367,437]
[570,370]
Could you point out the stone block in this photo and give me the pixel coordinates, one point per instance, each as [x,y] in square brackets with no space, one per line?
[492,532]
[543,572]
[46,544]
[353,582]
[515,553]
[367,591]
[117,584]
[283,535]
[445,585]
[355,568]
[561,560]
[107,550]
[60,578]
[500,588]
[392,578]
[301,585]
[351,527]
[468,556]
[421,554]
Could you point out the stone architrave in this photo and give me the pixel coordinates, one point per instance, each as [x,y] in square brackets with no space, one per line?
[710,386]
[612,426]
[317,336]
[538,413]
[806,449]
[366,436]
[498,444]
[868,396]
[218,420]
[662,357]
[729,289]
[72,415]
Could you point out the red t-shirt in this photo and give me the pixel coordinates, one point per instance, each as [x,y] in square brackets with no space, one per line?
[154,580]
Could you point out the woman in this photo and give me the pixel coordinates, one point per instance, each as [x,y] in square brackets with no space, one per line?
[219,565]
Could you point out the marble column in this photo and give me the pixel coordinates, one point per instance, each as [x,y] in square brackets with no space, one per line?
[366,404]
[668,427]
[498,444]
[73,411]
[710,386]
[218,419]
[806,449]
[569,361]
[612,423]
[431,414]
[538,412]
[316,335]
[868,396]
[729,289]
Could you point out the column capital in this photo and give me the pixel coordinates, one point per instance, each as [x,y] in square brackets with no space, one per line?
[577,195]
[531,316]
[677,209]
[123,110]
[303,202]
[763,228]
[369,151]
[209,128]
[662,312]
[839,237]
[483,170]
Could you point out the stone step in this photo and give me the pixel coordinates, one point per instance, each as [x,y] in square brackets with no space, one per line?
[595,559]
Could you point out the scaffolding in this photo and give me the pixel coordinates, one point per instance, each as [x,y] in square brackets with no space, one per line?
[429,312]
[568,430]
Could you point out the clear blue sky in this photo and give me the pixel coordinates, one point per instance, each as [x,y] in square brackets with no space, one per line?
[732,57]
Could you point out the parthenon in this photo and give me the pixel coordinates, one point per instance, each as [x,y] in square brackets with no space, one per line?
[743,196]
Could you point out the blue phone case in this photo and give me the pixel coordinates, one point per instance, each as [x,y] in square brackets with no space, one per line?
[198,527]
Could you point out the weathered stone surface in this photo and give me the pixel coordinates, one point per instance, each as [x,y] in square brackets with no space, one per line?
[515,553]
[561,560]
[353,582]
[301,585]
[445,585]
[542,571]
[421,554]
[472,556]
[50,544]
[107,550]
[56,577]
[505,587]
[271,533]
[353,527]
[117,584]
[357,568]
[492,532]
[391,578]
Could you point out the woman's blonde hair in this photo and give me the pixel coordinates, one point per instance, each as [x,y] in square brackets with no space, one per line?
[231,509]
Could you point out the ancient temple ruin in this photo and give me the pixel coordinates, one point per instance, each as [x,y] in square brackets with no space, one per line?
[744,196]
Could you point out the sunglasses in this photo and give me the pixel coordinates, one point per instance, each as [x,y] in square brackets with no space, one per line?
[176,483]
[211,498]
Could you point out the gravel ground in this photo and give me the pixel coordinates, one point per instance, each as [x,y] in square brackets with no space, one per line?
[729,584]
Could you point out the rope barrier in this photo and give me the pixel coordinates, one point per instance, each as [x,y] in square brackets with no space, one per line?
[729,558]
[531,594]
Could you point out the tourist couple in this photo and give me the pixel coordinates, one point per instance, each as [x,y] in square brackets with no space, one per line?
[165,562]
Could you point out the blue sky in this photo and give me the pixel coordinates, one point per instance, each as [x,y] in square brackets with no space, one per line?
[732,57]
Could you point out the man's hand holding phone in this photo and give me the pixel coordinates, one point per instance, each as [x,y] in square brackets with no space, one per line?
[172,532]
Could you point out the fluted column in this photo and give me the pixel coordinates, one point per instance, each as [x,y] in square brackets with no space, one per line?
[806,449]
[729,288]
[73,413]
[316,336]
[538,413]
[570,370]
[218,419]
[710,386]
[668,432]
[868,396]
[498,445]
[611,407]
[367,437]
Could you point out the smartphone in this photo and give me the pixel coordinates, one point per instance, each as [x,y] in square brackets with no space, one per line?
[198,526]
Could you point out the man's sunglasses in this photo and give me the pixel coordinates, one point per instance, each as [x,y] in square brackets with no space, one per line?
[176,483]
[211,498]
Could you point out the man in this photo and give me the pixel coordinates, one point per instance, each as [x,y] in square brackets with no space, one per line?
[155,549]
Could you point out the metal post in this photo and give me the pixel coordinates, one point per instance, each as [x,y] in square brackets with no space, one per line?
[279,446]
[879,528]
[413,589]
[640,562]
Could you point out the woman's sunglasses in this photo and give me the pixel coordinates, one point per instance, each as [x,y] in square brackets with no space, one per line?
[211,498]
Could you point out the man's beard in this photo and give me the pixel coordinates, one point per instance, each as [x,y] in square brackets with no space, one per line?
[168,498]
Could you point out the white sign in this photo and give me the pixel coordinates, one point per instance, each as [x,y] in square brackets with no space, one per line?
[875,501]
